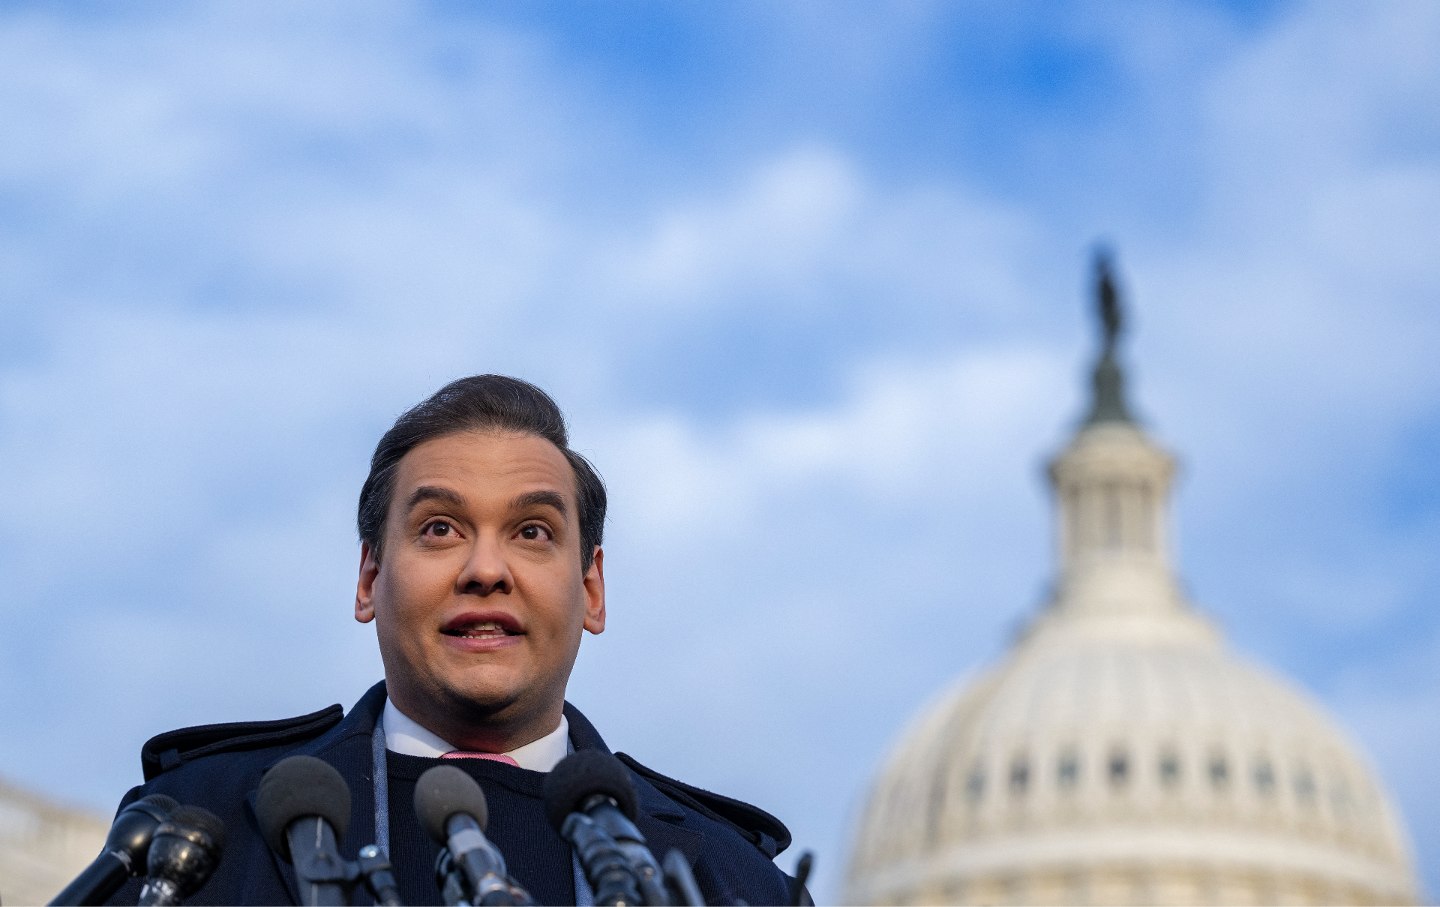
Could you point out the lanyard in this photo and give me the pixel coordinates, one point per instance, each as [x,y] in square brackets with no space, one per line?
[381,774]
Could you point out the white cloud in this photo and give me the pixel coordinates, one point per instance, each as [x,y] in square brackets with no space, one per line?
[806,228]
[793,211]
[900,435]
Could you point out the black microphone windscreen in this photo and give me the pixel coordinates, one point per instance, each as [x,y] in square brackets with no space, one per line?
[183,856]
[161,802]
[135,825]
[296,787]
[199,819]
[580,776]
[444,791]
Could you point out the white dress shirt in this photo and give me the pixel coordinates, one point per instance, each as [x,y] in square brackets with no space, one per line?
[404,735]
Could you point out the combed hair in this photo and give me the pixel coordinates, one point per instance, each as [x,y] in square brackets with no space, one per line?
[479,403]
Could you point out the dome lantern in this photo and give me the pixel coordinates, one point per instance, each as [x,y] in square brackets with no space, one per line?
[1111,486]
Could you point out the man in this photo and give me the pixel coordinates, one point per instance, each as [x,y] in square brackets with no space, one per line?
[480,566]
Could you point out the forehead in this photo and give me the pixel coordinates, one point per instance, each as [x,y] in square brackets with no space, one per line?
[484,464]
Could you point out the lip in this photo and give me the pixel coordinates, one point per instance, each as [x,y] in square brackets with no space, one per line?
[514,632]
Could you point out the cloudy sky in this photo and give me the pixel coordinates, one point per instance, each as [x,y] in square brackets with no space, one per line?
[810,280]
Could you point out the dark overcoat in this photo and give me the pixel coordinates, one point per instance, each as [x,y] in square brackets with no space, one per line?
[728,843]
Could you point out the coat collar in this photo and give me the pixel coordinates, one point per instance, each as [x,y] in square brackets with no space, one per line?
[346,746]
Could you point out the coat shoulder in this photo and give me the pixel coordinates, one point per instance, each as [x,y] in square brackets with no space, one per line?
[767,833]
[172,749]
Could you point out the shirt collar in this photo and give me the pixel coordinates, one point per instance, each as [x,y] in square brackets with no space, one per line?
[406,736]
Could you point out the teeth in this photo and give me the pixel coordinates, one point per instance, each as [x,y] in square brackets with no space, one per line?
[481,630]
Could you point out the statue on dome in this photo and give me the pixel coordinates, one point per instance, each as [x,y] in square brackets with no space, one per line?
[1107,381]
[1108,298]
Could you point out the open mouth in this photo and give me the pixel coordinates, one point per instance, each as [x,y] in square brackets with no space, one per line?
[479,629]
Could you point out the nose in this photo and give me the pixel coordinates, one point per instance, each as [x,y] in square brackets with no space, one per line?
[486,570]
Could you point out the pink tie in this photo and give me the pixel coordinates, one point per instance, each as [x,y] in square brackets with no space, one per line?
[493,757]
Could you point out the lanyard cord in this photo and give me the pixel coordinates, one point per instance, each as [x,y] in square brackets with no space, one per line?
[382,787]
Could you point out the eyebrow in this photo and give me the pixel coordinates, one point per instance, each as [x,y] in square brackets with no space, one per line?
[543,498]
[540,499]
[434,493]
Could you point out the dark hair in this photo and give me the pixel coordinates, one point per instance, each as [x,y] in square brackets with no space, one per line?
[477,403]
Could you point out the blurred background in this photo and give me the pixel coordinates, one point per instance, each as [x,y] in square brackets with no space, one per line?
[810,280]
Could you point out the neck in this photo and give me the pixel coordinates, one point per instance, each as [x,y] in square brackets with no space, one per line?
[486,732]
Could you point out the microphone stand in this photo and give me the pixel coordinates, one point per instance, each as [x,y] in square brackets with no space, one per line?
[379,876]
[680,881]
[456,890]
[329,881]
[609,873]
[322,875]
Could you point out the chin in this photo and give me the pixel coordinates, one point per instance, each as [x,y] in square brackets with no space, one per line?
[482,700]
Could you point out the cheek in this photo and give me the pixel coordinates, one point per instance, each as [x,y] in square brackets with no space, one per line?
[418,583]
[400,602]
[554,609]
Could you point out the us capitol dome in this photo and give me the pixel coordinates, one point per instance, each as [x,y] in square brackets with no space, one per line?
[1121,753]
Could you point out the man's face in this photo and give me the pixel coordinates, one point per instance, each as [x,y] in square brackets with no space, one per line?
[478,597]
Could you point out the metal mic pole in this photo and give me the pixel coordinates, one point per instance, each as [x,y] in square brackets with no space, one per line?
[319,872]
[681,881]
[605,865]
[379,876]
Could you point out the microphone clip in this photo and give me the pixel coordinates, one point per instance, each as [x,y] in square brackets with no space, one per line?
[372,868]
[456,890]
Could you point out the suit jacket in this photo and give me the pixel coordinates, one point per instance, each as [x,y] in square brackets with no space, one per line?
[728,843]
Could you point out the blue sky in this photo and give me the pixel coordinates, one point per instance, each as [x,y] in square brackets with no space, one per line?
[810,281]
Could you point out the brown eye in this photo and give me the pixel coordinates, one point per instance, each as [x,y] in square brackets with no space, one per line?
[439,528]
[534,533]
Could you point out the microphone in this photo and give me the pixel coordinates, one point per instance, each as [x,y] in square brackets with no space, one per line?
[452,810]
[304,805]
[587,798]
[802,875]
[595,784]
[123,856]
[680,881]
[183,855]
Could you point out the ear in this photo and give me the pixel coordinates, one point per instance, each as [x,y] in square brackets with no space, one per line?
[595,593]
[365,587]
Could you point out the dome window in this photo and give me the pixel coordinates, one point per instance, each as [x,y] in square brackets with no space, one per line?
[1219,771]
[1169,769]
[1264,777]
[975,784]
[1019,775]
[1068,771]
[1118,768]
